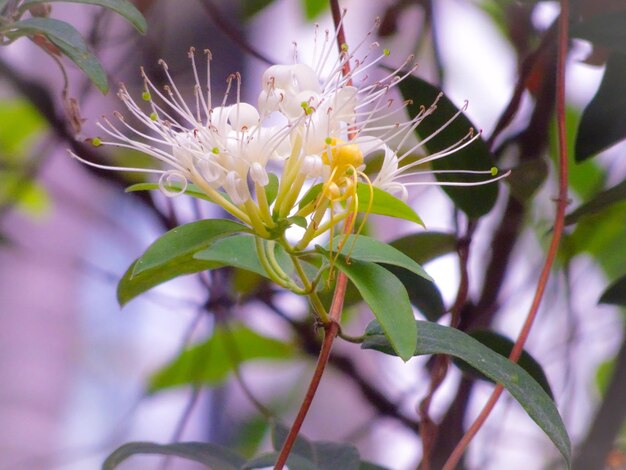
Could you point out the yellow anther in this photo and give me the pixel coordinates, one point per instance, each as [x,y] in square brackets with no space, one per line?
[341,155]
[332,191]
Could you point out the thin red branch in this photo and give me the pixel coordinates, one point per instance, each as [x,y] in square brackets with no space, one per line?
[554,243]
[322,360]
[332,328]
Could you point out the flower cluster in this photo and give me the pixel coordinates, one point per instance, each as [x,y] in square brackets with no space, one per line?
[313,126]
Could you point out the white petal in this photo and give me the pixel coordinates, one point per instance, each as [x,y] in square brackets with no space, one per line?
[305,78]
[236,188]
[243,115]
[313,166]
[258,174]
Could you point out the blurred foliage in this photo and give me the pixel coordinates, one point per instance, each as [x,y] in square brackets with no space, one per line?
[211,362]
[20,133]
[390,279]
[59,38]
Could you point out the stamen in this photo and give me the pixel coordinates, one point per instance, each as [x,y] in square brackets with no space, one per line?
[168,180]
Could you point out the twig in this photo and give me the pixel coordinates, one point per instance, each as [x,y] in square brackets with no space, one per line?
[332,328]
[329,336]
[232,32]
[554,243]
[235,358]
[344,364]
[526,69]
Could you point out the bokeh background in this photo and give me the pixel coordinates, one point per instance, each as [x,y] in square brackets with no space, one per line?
[74,366]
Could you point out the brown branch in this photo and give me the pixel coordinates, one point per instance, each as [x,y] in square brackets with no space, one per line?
[227,28]
[554,243]
[332,327]
[532,142]
[310,344]
[526,69]
[329,336]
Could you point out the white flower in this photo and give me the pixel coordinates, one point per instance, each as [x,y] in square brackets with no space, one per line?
[221,149]
[332,115]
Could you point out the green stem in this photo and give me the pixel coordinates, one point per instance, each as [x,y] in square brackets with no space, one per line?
[312,228]
[351,339]
[288,174]
[264,207]
[271,257]
[292,195]
[269,269]
[255,218]
[331,223]
[309,287]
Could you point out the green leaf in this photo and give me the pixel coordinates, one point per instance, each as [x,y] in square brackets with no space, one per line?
[249,434]
[190,190]
[603,122]
[526,178]
[21,126]
[68,40]
[184,241]
[310,195]
[423,294]
[606,29]
[267,460]
[475,201]
[425,246]
[211,362]
[602,236]
[584,178]
[123,8]
[252,7]
[615,294]
[313,8]
[387,298]
[503,346]
[130,286]
[604,374]
[365,465]
[19,190]
[384,204]
[239,251]
[437,339]
[271,190]
[324,455]
[213,456]
[364,248]
[599,202]
[297,220]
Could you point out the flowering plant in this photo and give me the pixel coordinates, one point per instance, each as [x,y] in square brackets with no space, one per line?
[317,134]
[300,172]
